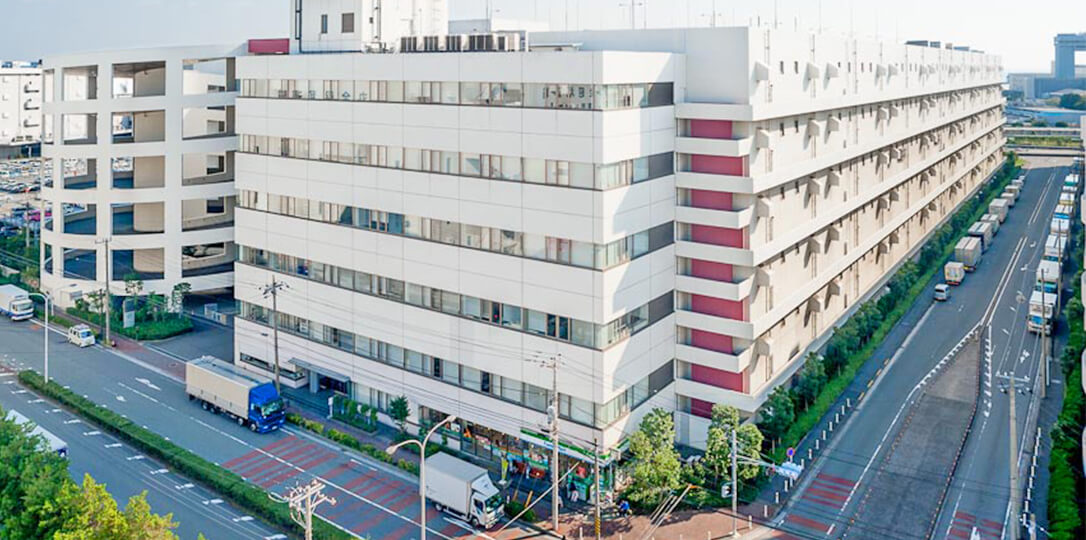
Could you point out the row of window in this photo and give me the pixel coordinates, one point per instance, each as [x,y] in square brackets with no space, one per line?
[599,97]
[585,334]
[512,168]
[533,246]
[504,388]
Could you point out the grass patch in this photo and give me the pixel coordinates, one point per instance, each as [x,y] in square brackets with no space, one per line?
[226,483]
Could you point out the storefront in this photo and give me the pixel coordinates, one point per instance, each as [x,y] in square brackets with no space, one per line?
[527,455]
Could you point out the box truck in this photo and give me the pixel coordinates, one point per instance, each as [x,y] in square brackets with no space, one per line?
[1048,277]
[15,303]
[1055,248]
[463,490]
[1041,307]
[1059,227]
[1065,211]
[56,444]
[983,231]
[1007,196]
[1013,190]
[999,208]
[1067,199]
[954,272]
[221,387]
[993,219]
[967,252]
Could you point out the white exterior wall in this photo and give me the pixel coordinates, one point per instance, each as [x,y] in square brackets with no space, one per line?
[157,150]
[836,157]
[375,22]
[578,214]
[20,105]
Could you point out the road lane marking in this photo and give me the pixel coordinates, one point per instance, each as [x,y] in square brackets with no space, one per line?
[242,519]
[213,501]
[73,421]
[188,485]
[114,445]
[159,471]
[147,383]
[136,457]
[91,433]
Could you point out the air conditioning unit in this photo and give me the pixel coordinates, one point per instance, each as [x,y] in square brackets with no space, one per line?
[456,42]
[504,42]
[432,43]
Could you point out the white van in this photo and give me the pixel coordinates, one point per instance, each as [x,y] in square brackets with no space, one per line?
[81,336]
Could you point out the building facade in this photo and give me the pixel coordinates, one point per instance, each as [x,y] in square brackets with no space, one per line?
[669,226]
[139,166]
[20,108]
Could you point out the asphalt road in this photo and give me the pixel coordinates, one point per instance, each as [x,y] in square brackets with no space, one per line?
[826,500]
[373,500]
[126,472]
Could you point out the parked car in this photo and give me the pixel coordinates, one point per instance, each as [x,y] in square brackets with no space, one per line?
[942,292]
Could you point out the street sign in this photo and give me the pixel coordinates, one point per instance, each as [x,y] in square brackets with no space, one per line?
[789,470]
[725,490]
[791,452]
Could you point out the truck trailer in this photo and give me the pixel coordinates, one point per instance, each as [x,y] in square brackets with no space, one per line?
[999,208]
[1048,278]
[250,400]
[1065,211]
[463,490]
[1055,248]
[953,273]
[1041,308]
[15,303]
[993,219]
[1009,197]
[1059,227]
[982,230]
[967,252]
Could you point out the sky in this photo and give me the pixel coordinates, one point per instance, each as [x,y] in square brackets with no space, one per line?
[1020,32]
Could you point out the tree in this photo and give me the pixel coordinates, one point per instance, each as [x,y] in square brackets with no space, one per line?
[399,410]
[656,469]
[811,379]
[33,483]
[718,445]
[1072,101]
[177,296]
[97,517]
[778,413]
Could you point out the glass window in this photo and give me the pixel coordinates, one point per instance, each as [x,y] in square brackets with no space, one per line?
[474,236]
[535,170]
[450,372]
[471,378]
[414,294]
[471,306]
[446,232]
[450,302]
[535,397]
[470,164]
[511,168]
[512,390]
[511,316]
[450,92]
[583,333]
[535,246]
[470,93]
[581,175]
[537,321]
[414,361]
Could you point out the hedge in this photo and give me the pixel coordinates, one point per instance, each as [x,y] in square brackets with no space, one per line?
[351,442]
[1065,489]
[856,340]
[173,325]
[231,486]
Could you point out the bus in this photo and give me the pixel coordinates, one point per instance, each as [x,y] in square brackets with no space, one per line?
[56,444]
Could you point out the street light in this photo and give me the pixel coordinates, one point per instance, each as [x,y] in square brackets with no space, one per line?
[48,301]
[422,466]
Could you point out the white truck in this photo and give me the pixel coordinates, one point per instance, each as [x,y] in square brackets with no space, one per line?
[1065,210]
[993,219]
[56,444]
[1041,307]
[967,252]
[954,273]
[1055,248]
[1060,227]
[1013,190]
[999,208]
[982,230]
[1048,278]
[1067,198]
[1007,196]
[463,490]
[15,303]
[221,387]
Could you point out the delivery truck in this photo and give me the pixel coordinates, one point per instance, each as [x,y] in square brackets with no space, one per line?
[1055,248]
[1009,197]
[463,490]
[1048,277]
[1067,199]
[1014,190]
[1072,181]
[967,252]
[954,272]
[999,208]
[1041,308]
[1059,227]
[1065,211]
[15,303]
[983,231]
[221,387]
[993,219]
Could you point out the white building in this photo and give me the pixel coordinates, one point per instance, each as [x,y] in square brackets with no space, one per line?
[20,107]
[676,226]
[142,155]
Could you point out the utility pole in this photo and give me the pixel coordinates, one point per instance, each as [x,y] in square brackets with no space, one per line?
[109,295]
[1048,330]
[303,501]
[1014,452]
[735,485]
[273,291]
[554,442]
[597,490]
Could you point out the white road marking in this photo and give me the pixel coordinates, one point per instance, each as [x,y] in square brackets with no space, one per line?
[120,398]
[276,537]
[39,400]
[19,391]
[213,501]
[114,445]
[184,486]
[159,471]
[92,433]
[136,457]
[242,519]
[147,383]
[73,421]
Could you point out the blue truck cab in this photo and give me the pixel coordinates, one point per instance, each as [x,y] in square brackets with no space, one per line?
[266,408]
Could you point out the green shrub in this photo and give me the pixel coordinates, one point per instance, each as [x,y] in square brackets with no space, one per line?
[512,508]
[216,478]
[359,415]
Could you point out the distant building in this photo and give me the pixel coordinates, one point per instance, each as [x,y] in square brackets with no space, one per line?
[20,108]
[1065,73]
